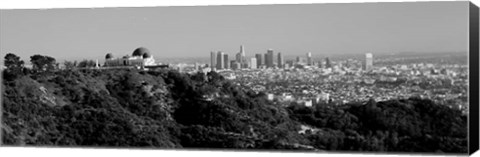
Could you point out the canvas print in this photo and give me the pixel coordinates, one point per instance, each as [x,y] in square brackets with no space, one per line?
[358,77]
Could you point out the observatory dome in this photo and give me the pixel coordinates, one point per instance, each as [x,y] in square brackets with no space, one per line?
[108,56]
[140,51]
[147,55]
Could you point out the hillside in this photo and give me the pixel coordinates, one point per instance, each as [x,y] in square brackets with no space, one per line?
[167,109]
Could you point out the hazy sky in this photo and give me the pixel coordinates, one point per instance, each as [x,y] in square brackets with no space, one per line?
[195,31]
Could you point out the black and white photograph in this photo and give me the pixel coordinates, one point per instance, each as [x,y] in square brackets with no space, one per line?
[376,77]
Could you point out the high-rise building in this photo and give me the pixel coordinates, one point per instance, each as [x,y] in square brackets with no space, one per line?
[244,65]
[232,64]
[328,64]
[220,62]
[240,56]
[259,59]
[320,64]
[368,64]
[235,65]
[226,64]
[213,60]
[253,63]
[269,58]
[309,58]
[280,61]
[297,59]
[265,58]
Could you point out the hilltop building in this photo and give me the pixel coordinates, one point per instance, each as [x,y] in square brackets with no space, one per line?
[141,57]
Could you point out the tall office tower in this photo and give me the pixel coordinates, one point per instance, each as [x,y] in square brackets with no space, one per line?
[238,57]
[259,59]
[244,65]
[220,61]
[265,58]
[309,58]
[213,60]
[280,61]
[235,65]
[320,64]
[242,54]
[226,64]
[269,58]
[328,64]
[297,60]
[253,63]
[368,64]
[232,64]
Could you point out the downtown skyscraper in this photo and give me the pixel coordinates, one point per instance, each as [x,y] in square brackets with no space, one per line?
[309,59]
[240,57]
[280,61]
[269,59]
[328,63]
[213,60]
[368,62]
[253,63]
[226,64]
[260,60]
[220,62]
[242,54]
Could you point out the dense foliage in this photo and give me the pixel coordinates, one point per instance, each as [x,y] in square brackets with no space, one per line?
[168,109]
[412,125]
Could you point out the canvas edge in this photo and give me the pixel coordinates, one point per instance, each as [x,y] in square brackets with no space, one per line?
[473,63]
[473,119]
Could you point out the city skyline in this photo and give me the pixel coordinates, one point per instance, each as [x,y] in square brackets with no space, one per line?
[272,62]
[194,31]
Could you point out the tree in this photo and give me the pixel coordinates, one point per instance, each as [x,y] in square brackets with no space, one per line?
[13,62]
[215,78]
[69,65]
[199,77]
[14,66]
[43,63]
[86,63]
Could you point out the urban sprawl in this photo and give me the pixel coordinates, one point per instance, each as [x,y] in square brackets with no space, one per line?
[310,82]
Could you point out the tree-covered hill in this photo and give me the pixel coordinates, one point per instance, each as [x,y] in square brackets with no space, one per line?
[128,107]
[168,109]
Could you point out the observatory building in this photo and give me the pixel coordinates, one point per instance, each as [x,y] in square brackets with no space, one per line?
[140,57]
